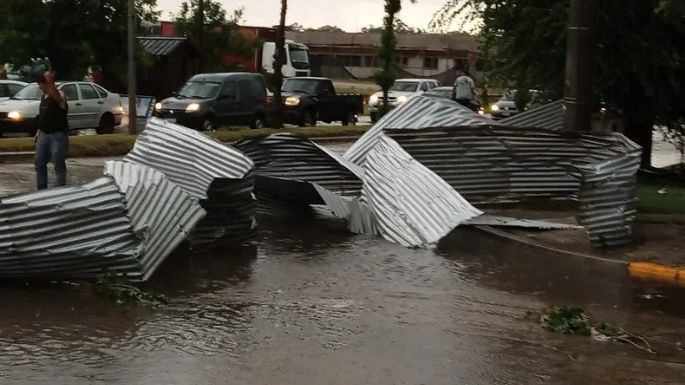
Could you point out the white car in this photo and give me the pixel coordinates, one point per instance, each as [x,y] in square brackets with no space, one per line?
[401,91]
[10,87]
[90,106]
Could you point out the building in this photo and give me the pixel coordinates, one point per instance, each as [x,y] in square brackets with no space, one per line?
[341,55]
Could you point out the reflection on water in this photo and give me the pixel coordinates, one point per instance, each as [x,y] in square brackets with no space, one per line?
[308,303]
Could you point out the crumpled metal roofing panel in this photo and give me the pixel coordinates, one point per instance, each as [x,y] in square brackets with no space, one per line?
[126,222]
[411,204]
[513,164]
[549,116]
[187,157]
[417,113]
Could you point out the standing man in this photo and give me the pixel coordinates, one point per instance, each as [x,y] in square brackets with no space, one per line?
[52,137]
[464,90]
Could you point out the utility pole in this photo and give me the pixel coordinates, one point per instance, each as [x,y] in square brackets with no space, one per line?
[201,30]
[579,65]
[132,115]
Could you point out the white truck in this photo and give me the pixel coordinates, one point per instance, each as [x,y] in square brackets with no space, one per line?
[296,63]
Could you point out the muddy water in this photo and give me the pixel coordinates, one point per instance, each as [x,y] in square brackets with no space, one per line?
[308,303]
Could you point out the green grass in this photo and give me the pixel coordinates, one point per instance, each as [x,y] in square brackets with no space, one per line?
[117,144]
[661,194]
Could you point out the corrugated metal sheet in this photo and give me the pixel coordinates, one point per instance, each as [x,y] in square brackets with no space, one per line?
[549,116]
[411,204]
[513,164]
[126,222]
[494,220]
[219,176]
[161,46]
[417,113]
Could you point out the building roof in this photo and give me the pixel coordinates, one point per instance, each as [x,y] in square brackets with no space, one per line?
[161,46]
[427,41]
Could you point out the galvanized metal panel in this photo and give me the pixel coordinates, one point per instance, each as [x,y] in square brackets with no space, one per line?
[549,116]
[220,177]
[161,46]
[417,113]
[411,204]
[126,222]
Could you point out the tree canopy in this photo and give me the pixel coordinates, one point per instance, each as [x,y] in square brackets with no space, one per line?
[640,45]
[217,37]
[73,34]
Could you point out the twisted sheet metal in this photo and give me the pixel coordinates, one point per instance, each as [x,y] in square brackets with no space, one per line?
[513,164]
[549,116]
[219,176]
[126,222]
[417,113]
[411,204]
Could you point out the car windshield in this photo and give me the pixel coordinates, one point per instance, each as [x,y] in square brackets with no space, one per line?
[299,55]
[405,86]
[300,85]
[30,92]
[508,96]
[199,90]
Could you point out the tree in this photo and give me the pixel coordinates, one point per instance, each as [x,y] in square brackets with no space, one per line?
[294,27]
[638,53]
[385,77]
[279,61]
[326,28]
[73,34]
[399,27]
[214,32]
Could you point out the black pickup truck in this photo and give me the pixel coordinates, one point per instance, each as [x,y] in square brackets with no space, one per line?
[307,100]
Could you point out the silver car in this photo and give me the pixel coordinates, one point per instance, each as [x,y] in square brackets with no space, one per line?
[10,87]
[90,106]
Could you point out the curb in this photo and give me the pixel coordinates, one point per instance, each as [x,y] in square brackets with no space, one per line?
[16,157]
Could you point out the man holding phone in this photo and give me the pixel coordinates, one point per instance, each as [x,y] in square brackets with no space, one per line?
[52,136]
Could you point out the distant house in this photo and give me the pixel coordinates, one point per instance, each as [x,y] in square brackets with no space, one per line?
[355,55]
[174,60]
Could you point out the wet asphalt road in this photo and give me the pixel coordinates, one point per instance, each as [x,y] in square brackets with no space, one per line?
[309,303]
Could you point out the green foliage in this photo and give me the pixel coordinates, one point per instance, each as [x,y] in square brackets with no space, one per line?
[573,320]
[399,26]
[73,34]
[217,37]
[660,194]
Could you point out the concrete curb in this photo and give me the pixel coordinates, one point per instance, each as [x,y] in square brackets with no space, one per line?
[16,157]
[658,272]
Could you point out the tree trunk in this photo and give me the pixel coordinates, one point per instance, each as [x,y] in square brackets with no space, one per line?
[639,124]
[277,106]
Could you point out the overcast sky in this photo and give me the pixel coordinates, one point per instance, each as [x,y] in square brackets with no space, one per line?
[350,15]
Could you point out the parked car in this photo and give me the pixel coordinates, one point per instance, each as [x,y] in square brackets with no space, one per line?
[307,100]
[207,101]
[506,105]
[401,91]
[89,106]
[449,93]
[10,87]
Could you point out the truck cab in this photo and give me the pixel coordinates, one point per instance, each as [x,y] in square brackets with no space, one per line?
[307,100]
[296,63]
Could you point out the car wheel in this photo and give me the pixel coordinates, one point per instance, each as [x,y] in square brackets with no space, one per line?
[309,119]
[258,122]
[350,119]
[106,125]
[208,124]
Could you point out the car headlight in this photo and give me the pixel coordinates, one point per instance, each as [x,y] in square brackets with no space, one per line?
[373,99]
[15,115]
[494,107]
[158,106]
[401,99]
[193,107]
[292,101]
[118,109]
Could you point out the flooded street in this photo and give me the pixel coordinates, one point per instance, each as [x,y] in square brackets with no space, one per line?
[308,303]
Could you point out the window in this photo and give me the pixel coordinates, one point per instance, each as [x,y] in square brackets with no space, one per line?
[325,89]
[229,91]
[88,92]
[368,61]
[405,61]
[424,86]
[350,60]
[4,90]
[101,91]
[430,63]
[70,92]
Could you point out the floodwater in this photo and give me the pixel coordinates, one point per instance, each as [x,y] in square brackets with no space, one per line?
[308,303]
